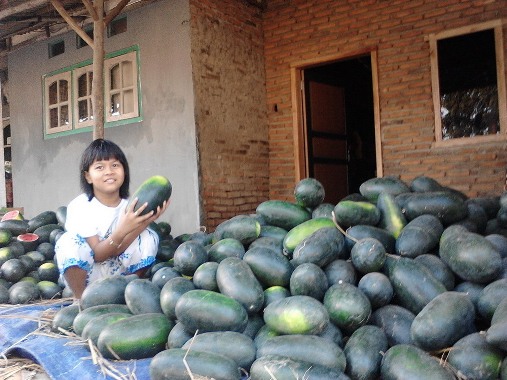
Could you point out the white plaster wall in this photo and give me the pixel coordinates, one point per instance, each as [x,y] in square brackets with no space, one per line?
[45,172]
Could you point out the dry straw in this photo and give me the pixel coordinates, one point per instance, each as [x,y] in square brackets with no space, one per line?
[10,366]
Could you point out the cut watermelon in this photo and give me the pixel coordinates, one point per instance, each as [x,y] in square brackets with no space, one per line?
[12,215]
[29,240]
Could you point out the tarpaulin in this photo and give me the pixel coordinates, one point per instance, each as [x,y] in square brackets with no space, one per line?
[61,357]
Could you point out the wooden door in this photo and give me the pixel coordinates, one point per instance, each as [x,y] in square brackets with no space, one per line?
[327,139]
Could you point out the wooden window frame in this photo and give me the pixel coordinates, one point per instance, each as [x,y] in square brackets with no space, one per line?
[77,73]
[133,87]
[48,107]
[496,26]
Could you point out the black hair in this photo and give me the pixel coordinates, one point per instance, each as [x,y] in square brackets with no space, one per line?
[101,149]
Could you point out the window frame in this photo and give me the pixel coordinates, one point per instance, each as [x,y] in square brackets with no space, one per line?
[108,65]
[53,48]
[496,26]
[73,72]
[47,114]
[77,72]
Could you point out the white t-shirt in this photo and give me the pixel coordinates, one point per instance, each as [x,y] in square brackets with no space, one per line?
[89,218]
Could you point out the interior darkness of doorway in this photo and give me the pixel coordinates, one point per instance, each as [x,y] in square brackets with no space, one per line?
[355,76]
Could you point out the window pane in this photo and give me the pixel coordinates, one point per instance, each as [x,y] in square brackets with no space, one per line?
[468,85]
[53,118]
[82,88]
[470,113]
[128,101]
[83,110]
[128,75]
[117,26]
[53,93]
[64,115]
[56,48]
[115,105]
[63,90]
[122,87]
[115,77]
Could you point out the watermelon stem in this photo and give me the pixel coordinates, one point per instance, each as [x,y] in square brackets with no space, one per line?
[185,356]
[341,229]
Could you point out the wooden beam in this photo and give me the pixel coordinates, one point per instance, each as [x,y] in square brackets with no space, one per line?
[25,6]
[91,9]
[98,72]
[73,24]
[115,11]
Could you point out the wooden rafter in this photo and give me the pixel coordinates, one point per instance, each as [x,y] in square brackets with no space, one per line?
[23,7]
[73,24]
[91,9]
[115,11]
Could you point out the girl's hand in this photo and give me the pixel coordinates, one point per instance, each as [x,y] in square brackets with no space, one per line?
[133,220]
[161,209]
[130,225]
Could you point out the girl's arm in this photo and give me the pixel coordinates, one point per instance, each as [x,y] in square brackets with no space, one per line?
[130,225]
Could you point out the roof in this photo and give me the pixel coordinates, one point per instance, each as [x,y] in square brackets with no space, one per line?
[25,21]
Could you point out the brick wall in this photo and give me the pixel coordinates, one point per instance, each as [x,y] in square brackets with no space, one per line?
[229,85]
[297,30]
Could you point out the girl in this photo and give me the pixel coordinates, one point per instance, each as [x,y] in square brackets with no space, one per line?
[103,235]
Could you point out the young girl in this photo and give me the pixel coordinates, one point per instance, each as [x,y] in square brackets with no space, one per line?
[103,235]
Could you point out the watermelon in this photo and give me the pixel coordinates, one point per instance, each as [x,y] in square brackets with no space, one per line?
[29,240]
[309,192]
[155,190]
[135,337]
[5,237]
[12,215]
[172,364]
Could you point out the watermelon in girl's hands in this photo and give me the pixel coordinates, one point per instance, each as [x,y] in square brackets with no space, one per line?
[155,190]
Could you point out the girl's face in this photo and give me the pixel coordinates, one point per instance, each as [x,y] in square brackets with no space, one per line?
[106,177]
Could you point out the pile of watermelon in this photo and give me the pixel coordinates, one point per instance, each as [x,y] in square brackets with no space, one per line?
[399,281]
[28,271]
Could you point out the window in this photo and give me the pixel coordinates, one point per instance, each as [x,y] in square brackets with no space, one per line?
[68,95]
[83,115]
[121,87]
[117,26]
[58,103]
[469,84]
[79,41]
[56,48]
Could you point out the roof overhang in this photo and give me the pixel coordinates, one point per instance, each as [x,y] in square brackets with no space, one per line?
[23,22]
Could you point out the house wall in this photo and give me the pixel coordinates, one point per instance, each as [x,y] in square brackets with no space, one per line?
[298,31]
[230,107]
[46,172]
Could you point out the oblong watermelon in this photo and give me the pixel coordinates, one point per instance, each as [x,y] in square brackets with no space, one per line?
[155,190]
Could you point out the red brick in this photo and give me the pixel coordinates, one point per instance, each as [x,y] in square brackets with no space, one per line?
[399,29]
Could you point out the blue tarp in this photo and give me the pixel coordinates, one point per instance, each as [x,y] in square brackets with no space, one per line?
[61,358]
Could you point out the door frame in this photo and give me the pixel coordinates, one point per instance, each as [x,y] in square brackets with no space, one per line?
[299,109]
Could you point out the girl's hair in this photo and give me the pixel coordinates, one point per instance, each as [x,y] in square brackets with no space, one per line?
[101,149]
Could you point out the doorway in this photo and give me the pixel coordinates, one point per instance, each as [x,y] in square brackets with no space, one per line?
[339,125]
